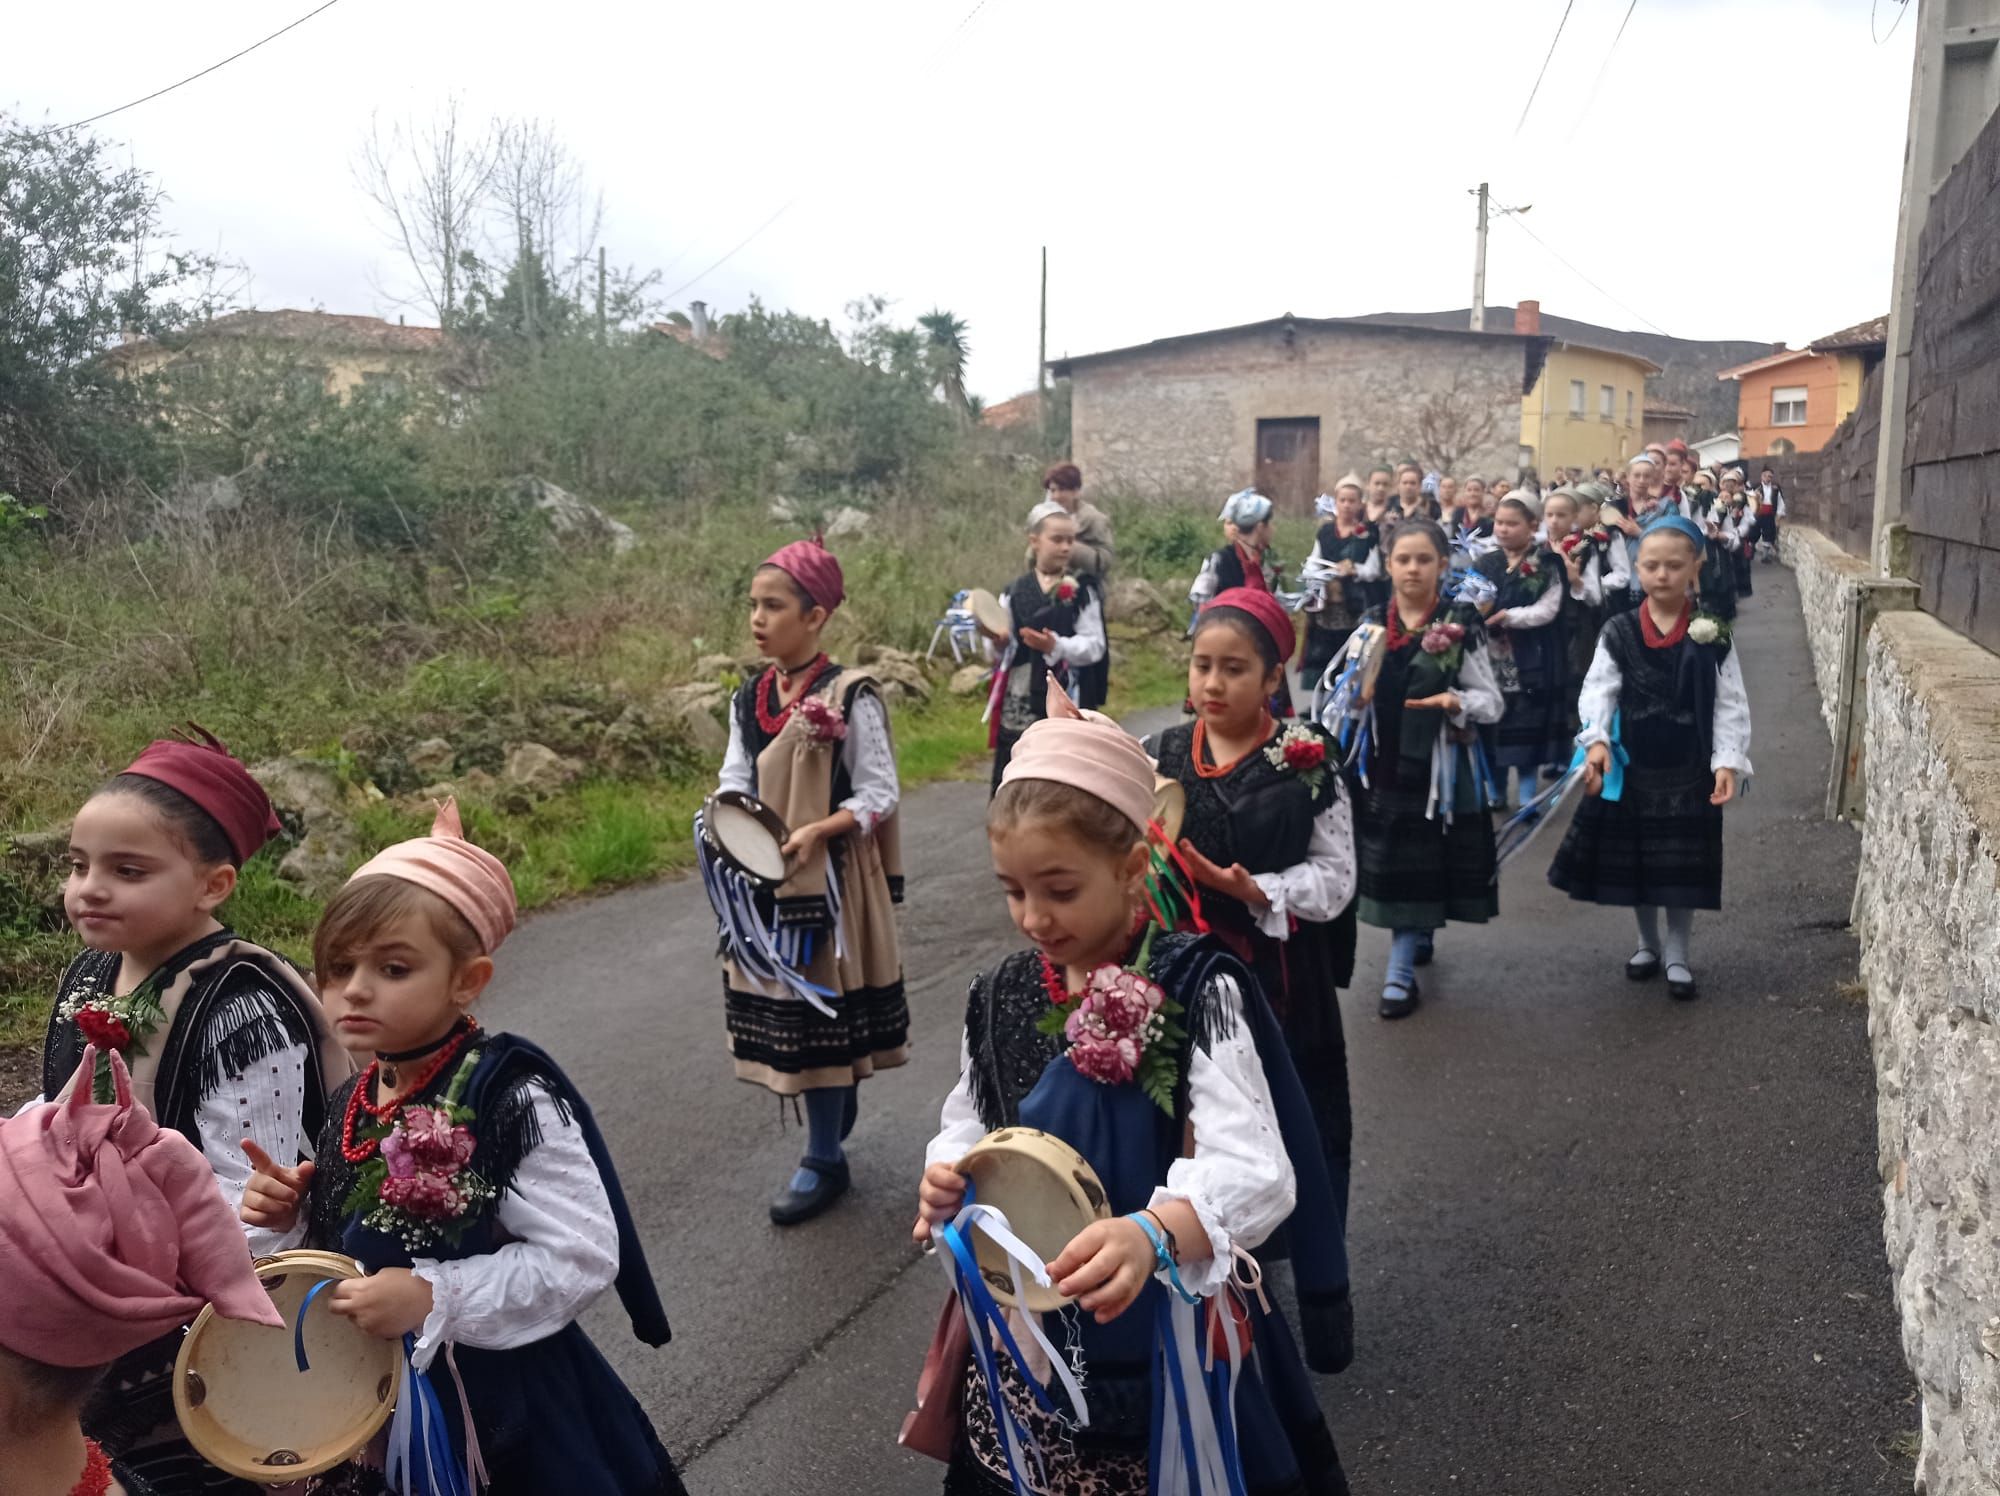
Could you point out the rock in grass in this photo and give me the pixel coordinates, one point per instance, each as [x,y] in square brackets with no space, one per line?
[432,757]
[970,680]
[539,771]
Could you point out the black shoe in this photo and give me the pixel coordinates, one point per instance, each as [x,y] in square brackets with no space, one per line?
[1643,966]
[1400,1007]
[1424,953]
[1680,989]
[791,1206]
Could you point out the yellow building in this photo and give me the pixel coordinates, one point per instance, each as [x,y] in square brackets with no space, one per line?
[338,352]
[1588,409]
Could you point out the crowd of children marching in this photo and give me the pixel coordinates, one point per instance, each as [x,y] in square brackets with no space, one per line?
[1173,1015]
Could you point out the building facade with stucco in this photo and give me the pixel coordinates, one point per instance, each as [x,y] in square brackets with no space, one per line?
[1289,405]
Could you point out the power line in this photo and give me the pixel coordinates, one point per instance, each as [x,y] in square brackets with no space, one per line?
[1515,219]
[191,77]
[788,204]
[1557,38]
[1875,6]
[1602,68]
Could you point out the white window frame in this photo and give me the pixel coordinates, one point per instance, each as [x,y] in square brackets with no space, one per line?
[1788,405]
[1631,408]
[1607,403]
[1579,399]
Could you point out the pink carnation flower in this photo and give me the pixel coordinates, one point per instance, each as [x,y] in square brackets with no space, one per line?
[428,1195]
[1111,1062]
[396,1153]
[433,1140]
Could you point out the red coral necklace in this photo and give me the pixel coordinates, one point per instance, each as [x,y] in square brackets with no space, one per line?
[769,717]
[358,1102]
[1206,767]
[96,1477]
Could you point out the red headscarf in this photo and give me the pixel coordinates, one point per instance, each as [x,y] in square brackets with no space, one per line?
[207,774]
[811,565]
[1266,609]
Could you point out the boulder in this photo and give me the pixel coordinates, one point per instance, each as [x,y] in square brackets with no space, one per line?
[713,666]
[1141,604]
[970,680]
[432,756]
[902,679]
[783,511]
[318,865]
[627,746]
[570,518]
[847,520]
[693,719]
[538,771]
[308,794]
[707,695]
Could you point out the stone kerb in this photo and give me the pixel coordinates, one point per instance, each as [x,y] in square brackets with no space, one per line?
[1827,578]
[1928,909]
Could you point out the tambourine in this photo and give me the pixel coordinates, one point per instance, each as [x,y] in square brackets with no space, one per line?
[1370,647]
[248,1409]
[1048,1192]
[987,612]
[745,834]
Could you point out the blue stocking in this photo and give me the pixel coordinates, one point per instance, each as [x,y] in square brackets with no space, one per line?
[826,1123]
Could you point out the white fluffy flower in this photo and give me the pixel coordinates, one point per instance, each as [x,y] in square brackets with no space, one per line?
[1704,631]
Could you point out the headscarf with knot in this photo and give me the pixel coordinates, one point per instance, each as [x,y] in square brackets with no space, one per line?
[112,1232]
[1245,509]
[1089,752]
[470,879]
[813,567]
[197,765]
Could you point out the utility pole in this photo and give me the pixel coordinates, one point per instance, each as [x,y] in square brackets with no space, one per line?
[1479,267]
[600,295]
[1042,351]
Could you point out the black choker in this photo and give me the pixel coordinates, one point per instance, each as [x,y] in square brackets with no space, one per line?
[388,1062]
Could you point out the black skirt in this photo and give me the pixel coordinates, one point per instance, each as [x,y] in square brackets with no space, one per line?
[1417,873]
[1659,843]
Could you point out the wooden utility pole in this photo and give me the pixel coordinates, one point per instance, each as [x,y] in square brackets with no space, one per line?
[1042,354]
[600,294]
[1479,267]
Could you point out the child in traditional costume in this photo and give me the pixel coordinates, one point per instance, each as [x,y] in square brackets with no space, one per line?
[1346,556]
[1269,837]
[225,1039]
[465,1172]
[811,740]
[1093,555]
[1583,612]
[1741,519]
[1169,1078]
[1056,620]
[1524,638]
[1423,826]
[1246,560]
[1667,729]
[112,1236]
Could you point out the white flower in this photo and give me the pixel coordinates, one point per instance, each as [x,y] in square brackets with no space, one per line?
[1704,631]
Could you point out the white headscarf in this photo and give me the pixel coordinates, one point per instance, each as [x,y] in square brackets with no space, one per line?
[1246,509]
[1041,512]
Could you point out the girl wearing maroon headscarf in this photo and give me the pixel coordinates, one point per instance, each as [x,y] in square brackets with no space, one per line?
[225,1040]
[811,740]
[1269,836]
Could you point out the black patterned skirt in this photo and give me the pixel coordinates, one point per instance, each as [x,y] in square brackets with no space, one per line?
[1659,843]
[1418,873]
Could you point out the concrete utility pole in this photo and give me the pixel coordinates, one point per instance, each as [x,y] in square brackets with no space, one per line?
[1954,90]
[1479,267]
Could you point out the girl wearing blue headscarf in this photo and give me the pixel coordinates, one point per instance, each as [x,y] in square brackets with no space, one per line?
[1666,729]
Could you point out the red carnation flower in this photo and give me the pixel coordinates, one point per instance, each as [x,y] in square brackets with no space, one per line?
[1453,631]
[1571,541]
[102,1029]
[1305,754]
[1065,590]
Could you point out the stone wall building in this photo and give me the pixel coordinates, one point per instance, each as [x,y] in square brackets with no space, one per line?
[1290,404]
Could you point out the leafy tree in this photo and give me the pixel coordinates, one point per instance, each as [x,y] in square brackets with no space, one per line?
[81,266]
[946,353]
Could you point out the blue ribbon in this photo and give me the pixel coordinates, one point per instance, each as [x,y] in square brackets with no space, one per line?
[1219,1395]
[439,1473]
[299,1329]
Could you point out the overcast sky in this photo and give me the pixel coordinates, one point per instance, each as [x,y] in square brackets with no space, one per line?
[1188,166]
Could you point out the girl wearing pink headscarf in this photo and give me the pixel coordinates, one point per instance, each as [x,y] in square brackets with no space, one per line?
[463,1169]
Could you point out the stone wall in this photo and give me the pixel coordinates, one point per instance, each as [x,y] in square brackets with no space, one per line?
[1827,578]
[1928,909]
[1181,421]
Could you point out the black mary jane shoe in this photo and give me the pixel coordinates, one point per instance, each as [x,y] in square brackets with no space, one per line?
[790,1207]
[1681,990]
[1643,967]
[1400,1007]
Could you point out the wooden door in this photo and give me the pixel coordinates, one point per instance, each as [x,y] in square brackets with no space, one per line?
[1288,463]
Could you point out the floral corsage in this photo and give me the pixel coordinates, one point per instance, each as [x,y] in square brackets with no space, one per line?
[1121,1027]
[1706,628]
[112,1023]
[822,721]
[1302,752]
[1447,642]
[1065,591]
[419,1187]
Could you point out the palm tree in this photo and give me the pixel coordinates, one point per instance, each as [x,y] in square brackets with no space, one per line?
[945,356]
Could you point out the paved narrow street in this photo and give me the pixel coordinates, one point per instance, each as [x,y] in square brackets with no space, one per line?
[1602,1242]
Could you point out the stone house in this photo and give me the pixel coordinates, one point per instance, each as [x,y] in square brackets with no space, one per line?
[340,353]
[1290,404]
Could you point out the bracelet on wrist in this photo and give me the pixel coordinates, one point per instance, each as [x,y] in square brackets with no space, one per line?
[1162,1258]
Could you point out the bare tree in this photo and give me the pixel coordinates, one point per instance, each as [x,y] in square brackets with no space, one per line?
[432,184]
[1455,421]
[539,189]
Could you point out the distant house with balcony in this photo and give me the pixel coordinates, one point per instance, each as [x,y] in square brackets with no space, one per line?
[1790,401]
